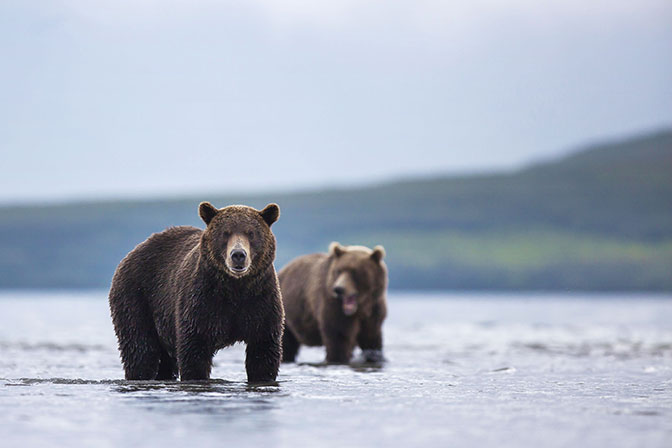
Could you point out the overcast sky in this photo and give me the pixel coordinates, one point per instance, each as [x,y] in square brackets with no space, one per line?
[135,98]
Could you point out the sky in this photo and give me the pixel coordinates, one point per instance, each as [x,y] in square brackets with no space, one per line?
[143,98]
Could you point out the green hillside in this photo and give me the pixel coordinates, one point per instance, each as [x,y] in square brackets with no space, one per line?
[598,219]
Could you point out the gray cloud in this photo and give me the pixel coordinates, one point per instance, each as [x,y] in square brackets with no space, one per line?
[146,97]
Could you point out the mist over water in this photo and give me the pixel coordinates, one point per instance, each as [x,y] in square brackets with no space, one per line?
[462,370]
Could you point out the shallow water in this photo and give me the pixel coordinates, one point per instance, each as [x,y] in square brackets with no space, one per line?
[462,370]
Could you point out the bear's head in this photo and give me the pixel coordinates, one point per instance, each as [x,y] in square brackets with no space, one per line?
[238,239]
[357,277]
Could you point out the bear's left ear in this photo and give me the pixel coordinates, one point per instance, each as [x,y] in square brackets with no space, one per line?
[378,253]
[207,211]
[270,213]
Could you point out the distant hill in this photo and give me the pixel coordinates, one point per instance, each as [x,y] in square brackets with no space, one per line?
[599,219]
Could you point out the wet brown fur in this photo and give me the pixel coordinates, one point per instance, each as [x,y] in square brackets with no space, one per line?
[314,316]
[174,301]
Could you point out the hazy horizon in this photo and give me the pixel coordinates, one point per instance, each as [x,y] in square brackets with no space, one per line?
[140,99]
[334,185]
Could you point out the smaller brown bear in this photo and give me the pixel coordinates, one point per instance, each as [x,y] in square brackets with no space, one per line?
[337,300]
[185,293]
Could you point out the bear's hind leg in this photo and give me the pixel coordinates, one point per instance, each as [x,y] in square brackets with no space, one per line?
[138,341]
[167,367]
[140,358]
[290,346]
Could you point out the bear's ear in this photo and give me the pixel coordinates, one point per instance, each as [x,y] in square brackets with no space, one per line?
[270,213]
[378,253]
[207,211]
[336,249]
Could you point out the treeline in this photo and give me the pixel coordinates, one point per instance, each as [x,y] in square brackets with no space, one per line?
[599,219]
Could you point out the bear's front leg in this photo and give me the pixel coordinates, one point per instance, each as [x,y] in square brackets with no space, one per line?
[194,357]
[339,342]
[370,340]
[263,356]
[337,352]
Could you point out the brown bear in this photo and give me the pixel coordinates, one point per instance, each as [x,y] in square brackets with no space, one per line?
[185,293]
[337,300]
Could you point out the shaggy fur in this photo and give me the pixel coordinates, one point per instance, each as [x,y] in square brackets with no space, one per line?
[337,300]
[177,297]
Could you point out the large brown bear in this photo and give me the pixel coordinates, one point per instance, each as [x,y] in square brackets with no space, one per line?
[337,300]
[185,293]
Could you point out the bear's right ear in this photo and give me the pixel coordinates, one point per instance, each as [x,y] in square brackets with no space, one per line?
[207,211]
[336,249]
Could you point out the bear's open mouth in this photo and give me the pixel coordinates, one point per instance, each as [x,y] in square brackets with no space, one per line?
[350,304]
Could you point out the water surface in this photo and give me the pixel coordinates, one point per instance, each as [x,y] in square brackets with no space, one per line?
[462,370]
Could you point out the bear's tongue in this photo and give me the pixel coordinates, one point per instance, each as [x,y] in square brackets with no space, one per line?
[349,304]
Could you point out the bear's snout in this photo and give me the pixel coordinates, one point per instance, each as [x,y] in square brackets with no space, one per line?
[238,257]
[343,285]
[345,290]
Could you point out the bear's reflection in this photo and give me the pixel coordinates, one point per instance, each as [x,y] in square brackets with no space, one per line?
[201,397]
[356,365]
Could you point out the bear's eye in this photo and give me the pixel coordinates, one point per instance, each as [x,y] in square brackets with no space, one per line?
[250,234]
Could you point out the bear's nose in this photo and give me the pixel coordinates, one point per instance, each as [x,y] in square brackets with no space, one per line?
[238,256]
[339,290]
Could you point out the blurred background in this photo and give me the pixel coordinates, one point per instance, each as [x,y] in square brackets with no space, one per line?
[488,145]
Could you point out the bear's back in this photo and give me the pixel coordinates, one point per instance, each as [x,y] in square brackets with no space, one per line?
[301,275]
[302,286]
[152,261]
